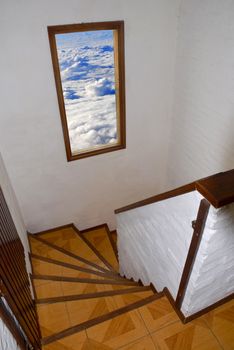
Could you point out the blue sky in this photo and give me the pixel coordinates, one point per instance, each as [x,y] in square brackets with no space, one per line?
[86,62]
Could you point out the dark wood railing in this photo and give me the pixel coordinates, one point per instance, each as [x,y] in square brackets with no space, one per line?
[15,285]
[218,189]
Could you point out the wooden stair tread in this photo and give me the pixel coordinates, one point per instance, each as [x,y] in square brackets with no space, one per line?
[75,267]
[92,295]
[69,239]
[69,279]
[100,239]
[94,320]
[50,289]
[80,311]
[76,281]
[43,247]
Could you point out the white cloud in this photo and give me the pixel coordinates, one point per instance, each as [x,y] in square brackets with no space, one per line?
[87,74]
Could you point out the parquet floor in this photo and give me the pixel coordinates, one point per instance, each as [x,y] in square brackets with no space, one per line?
[153,326]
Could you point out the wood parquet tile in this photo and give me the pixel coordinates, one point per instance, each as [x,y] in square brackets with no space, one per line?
[49,290]
[99,239]
[195,335]
[126,299]
[221,322]
[68,239]
[84,310]
[118,331]
[53,318]
[154,326]
[77,341]
[42,249]
[145,343]
[158,314]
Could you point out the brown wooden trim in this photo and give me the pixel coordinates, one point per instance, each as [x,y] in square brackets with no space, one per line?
[14,277]
[124,282]
[193,249]
[68,253]
[209,308]
[10,324]
[196,314]
[114,247]
[166,195]
[173,304]
[74,267]
[106,293]
[118,27]
[90,323]
[96,252]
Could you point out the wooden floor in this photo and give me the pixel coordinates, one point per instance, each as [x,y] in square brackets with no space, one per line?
[152,326]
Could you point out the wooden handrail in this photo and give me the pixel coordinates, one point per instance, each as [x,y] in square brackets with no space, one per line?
[218,189]
[159,197]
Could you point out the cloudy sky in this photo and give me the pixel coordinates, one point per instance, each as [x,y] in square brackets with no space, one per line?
[86,62]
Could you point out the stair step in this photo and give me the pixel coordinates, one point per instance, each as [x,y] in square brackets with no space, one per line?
[75,267]
[52,289]
[69,239]
[100,240]
[125,282]
[95,320]
[43,247]
[106,293]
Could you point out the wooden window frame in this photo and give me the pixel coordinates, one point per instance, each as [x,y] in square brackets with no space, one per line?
[118,28]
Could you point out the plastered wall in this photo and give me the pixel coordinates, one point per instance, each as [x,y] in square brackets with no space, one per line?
[202,129]
[153,240]
[153,243]
[212,278]
[51,191]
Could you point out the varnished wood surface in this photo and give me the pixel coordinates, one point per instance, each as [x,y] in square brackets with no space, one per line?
[159,197]
[218,189]
[193,249]
[112,320]
[14,277]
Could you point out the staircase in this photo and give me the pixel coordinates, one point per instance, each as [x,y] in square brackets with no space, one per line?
[77,285]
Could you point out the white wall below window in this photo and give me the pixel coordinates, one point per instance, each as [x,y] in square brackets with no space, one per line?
[50,190]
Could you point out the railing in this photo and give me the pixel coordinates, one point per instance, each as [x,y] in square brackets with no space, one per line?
[15,287]
[218,191]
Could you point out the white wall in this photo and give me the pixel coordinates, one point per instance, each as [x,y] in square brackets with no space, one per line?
[50,191]
[212,278]
[13,206]
[153,240]
[7,341]
[202,134]
[153,243]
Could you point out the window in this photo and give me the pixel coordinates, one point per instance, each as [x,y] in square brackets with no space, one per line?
[88,62]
